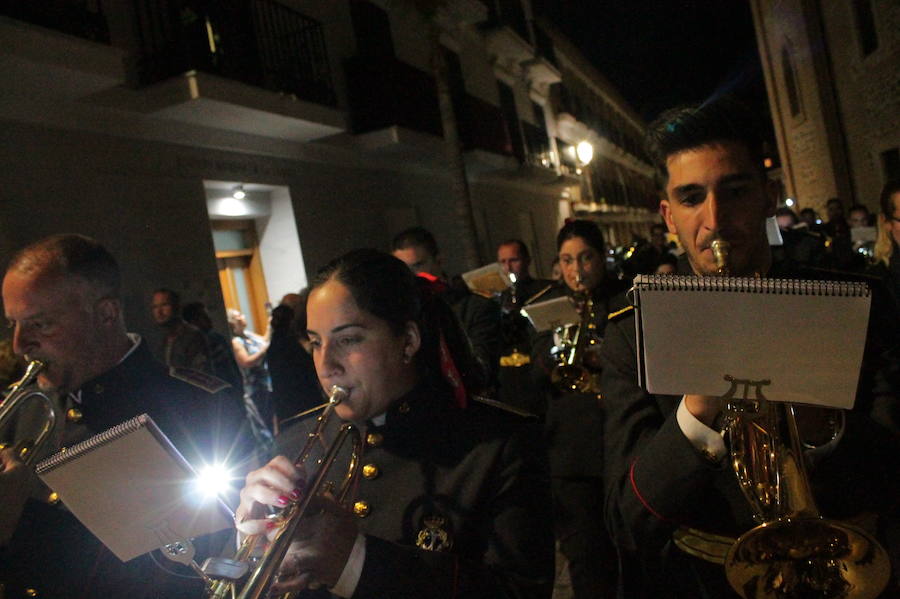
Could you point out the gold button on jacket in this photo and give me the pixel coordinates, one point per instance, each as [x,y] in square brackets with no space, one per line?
[361,508]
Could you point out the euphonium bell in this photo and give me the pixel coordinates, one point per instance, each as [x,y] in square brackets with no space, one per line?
[28,448]
[794,552]
[249,576]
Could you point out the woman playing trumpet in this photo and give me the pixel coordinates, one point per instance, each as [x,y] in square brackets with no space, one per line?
[454,495]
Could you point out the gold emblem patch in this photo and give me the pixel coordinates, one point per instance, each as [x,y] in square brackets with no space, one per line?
[434,537]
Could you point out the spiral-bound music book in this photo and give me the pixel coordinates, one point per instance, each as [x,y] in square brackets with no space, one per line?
[132,488]
[806,338]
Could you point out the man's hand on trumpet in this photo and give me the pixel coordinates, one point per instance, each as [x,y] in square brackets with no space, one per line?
[322,545]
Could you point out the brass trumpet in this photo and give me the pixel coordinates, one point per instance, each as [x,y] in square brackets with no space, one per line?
[794,552]
[28,448]
[224,575]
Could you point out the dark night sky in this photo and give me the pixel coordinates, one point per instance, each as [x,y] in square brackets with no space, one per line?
[665,52]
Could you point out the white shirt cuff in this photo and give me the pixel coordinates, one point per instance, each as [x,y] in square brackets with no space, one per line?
[346,584]
[705,439]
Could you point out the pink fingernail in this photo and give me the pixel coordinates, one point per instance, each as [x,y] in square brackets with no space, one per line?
[282,500]
[295,494]
[271,524]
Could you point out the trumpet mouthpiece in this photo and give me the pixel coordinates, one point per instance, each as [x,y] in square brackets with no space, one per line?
[720,249]
[337,395]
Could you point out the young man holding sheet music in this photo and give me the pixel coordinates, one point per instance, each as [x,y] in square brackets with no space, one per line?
[61,297]
[671,496]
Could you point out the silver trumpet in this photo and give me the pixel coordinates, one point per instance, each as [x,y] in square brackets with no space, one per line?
[19,395]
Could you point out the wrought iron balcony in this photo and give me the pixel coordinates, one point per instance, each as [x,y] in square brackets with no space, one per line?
[260,42]
[74,17]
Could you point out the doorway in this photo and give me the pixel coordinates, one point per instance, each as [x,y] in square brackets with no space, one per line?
[257,247]
[240,271]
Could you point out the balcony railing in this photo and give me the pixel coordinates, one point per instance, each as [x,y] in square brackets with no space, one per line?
[537,145]
[384,92]
[481,127]
[81,18]
[259,42]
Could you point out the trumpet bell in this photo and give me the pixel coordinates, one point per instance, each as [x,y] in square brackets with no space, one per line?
[807,557]
[571,378]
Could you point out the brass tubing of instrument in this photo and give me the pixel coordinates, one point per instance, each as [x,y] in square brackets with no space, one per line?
[28,448]
[261,579]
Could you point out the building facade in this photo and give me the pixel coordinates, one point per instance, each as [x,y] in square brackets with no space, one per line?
[229,149]
[832,73]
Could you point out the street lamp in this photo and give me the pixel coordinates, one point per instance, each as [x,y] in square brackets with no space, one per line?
[585,152]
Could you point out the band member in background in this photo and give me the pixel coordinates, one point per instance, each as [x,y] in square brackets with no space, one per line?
[454,500]
[479,316]
[62,298]
[514,376]
[574,419]
[183,344]
[665,457]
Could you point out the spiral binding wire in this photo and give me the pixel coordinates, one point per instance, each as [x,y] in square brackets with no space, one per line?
[66,455]
[752,285]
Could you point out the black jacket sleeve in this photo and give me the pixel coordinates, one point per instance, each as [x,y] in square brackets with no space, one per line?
[655,478]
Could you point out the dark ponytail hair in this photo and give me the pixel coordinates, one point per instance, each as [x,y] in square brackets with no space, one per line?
[386,288]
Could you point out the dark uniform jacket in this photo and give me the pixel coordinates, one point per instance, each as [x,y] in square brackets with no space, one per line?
[51,551]
[184,345]
[480,319]
[658,482]
[574,421]
[516,386]
[456,501]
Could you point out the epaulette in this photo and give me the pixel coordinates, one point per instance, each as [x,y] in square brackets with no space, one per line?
[619,313]
[201,380]
[539,294]
[502,406]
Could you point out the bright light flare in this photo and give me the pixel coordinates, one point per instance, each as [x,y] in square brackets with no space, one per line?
[213,480]
[585,152]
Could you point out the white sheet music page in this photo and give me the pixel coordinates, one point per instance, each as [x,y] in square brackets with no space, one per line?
[133,490]
[806,338]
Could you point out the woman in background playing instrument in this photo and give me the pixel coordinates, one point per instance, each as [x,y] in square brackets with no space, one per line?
[574,419]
